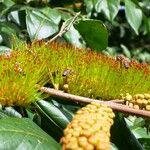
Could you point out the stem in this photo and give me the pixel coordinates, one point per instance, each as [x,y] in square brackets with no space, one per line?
[115,106]
[64,28]
[65,10]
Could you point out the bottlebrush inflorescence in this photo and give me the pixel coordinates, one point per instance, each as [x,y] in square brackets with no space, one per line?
[90,74]
[80,72]
[89,129]
[20,72]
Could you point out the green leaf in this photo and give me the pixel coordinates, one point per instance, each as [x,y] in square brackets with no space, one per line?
[39,26]
[4,49]
[146,25]
[133,14]
[94,33]
[89,6]
[2,115]
[73,37]
[34,116]
[109,7]
[9,32]
[63,108]
[113,147]
[122,136]
[126,51]
[24,134]
[140,133]
[145,142]
[52,14]
[10,111]
[8,3]
[54,113]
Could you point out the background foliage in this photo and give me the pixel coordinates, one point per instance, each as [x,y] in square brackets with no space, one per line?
[113,27]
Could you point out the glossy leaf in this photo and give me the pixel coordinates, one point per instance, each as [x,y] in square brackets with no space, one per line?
[24,134]
[140,133]
[4,49]
[89,6]
[122,136]
[113,147]
[10,111]
[94,33]
[9,32]
[73,37]
[54,113]
[39,26]
[109,7]
[52,14]
[133,14]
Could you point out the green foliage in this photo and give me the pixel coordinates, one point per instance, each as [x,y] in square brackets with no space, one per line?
[128,139]
[40,25]
[109,7]
[131,12]
[54,112]
[138,127]
[97,40]
[23,133]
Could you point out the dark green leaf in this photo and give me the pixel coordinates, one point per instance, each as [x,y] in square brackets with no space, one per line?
[54,113]
[146,25]
[9,33]
[24,134]
[34,116]
[39,26]
[94,33]
[63,108]
[145,142]
[133,14]
[15,7]
[9,28]
[122,137]
[48,125]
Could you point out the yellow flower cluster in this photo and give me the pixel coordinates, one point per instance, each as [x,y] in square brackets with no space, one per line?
[138,101]
[89,129]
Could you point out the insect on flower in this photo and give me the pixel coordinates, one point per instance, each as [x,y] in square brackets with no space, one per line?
[18,69]
[67,72]
[123,60]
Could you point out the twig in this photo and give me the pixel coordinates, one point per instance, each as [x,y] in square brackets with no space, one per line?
[65,10]
[64,28]
[115,106]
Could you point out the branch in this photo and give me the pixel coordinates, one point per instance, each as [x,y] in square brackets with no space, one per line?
[115,106]
[64,28]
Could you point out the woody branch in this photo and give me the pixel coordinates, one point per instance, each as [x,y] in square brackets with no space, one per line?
[115,106]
